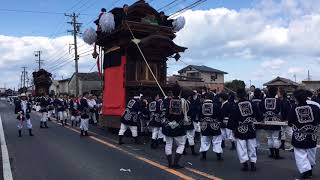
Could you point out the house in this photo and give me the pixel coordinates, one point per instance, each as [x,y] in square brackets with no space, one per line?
[54,88]
[280,82]
[212,78]
[311,85]
[2,90]
[88,82]
[63,86]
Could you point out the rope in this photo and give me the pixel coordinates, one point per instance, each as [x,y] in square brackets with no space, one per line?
[136,41]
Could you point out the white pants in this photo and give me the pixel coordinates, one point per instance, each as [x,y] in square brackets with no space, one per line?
[180,142]
[84,124]
[50,113]
[273,139]
[161,135]
[259,134]
[62,115]
[155,133]
[75,118]
[286,132]
[197,126]
[216,143]
[44,117]
[227,134]
[246,150]
[124,127]
[190,136]
[21,124]
[305,158]
[92,116]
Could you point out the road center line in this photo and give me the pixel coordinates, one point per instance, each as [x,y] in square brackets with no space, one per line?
[153,163]
[177,173]
[7,174]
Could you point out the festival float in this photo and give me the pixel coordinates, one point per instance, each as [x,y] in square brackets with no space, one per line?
[42,82]
[135,43]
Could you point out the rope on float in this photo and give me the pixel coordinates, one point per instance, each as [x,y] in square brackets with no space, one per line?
[137,41]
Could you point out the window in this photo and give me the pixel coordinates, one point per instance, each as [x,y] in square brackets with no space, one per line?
[143,72]
[194,75]
[214,77]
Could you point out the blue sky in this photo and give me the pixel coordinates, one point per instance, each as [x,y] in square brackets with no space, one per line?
[22,24]
[252,40]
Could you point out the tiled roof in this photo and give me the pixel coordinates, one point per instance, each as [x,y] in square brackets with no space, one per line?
[204,69]
[281,81]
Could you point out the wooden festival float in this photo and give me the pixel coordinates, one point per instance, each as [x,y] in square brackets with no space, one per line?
[135,46]
[42,82]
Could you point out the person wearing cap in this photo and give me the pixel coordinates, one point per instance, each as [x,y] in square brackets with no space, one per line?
[304,119]
[23,116]
[129,119]
[22,104]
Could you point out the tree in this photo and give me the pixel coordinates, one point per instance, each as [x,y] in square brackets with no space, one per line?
[235,85]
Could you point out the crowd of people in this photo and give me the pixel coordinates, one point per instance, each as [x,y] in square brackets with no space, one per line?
[78,110]
[245,119]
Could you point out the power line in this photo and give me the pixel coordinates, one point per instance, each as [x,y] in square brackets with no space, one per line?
[64,56]
[194,4]
[39,61]
[93,67]
[176,4]
[88,6]
[68,61]
[75,5]
[76,30]
[174,1]
[35,12]
[113,3]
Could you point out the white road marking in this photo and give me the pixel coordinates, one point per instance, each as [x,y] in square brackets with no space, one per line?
[7,174]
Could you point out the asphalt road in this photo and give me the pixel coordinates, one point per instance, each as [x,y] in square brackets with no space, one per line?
[59,153]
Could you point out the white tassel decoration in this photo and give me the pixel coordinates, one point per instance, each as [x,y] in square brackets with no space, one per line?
[179,23]
[90,36]
[107,23]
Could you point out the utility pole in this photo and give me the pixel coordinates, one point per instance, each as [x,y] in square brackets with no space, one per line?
[75,32]
[39,61]
[295,77]
[309,76]
[21,79]
[24,77]
[27,79]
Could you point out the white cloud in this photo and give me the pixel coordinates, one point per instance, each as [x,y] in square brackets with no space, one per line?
[17,52]
[296,70]
[251,40]
[273,64]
